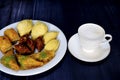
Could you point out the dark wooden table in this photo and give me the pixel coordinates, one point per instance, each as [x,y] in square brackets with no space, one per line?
[68,15]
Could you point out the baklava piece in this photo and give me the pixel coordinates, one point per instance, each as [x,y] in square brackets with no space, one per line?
[10,62]
[5,44]
[9,52]
[12,34]
[43,56]
[27,62]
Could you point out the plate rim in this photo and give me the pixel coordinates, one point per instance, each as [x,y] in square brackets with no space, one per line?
[50,65]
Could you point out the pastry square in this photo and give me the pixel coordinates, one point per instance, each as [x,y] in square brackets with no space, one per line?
[5,44]
[10,62]
[12,34]
[27,62]
[9,52]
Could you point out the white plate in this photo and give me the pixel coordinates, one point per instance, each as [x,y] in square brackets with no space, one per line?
[58,57]
[99,54]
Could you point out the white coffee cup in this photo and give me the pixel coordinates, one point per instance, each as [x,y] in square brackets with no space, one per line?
[91,36]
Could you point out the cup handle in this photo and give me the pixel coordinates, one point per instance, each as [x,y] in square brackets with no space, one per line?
[109,36]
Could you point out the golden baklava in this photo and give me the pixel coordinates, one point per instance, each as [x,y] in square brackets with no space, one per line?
[12,34]
[5,44]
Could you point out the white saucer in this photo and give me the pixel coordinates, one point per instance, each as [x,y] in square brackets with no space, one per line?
[76,50]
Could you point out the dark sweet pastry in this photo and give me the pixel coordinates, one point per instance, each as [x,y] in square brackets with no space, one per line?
[39,44]
[25,45]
